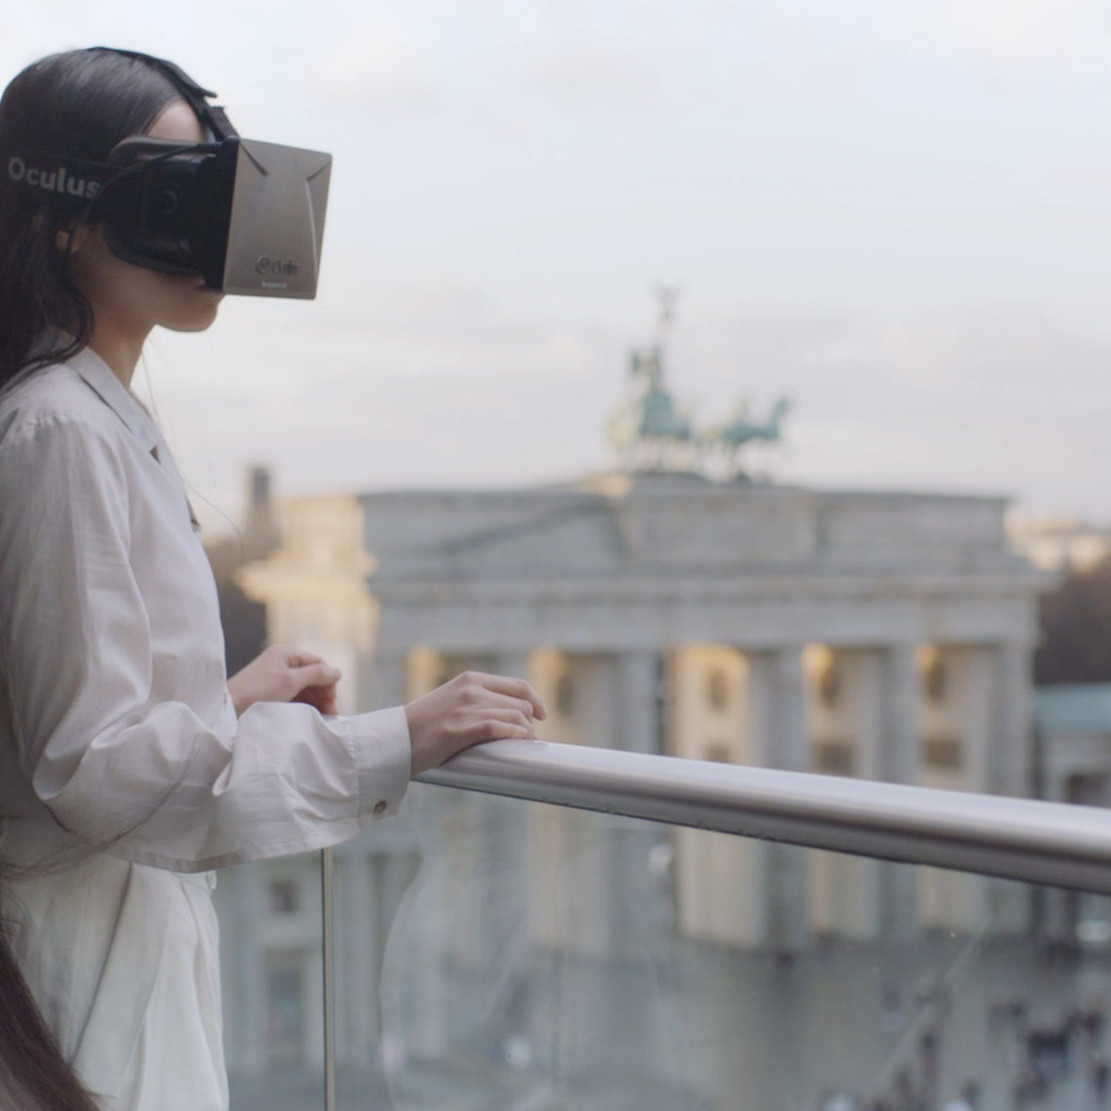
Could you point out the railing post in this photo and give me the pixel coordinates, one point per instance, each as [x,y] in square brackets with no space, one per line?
[327,922]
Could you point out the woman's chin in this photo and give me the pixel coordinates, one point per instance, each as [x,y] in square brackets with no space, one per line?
[200,315]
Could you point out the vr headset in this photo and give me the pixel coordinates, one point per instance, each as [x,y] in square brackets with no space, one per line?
[247,216]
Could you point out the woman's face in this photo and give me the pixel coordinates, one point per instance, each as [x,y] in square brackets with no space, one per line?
[125,296]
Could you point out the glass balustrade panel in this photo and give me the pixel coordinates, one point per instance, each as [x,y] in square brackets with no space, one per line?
[496,954]
[500,954]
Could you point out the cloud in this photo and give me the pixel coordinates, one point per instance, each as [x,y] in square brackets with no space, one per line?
[1018,33]
[27,36]
[379,68]
[448,400]
[578,75]
[459,391]
[1004,399]
[572,59]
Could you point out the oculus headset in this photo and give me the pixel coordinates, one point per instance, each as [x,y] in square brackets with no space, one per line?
[245,215]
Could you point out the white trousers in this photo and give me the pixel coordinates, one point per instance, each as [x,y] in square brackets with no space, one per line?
[123,960]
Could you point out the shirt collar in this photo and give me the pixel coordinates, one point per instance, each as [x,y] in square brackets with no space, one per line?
[98,376]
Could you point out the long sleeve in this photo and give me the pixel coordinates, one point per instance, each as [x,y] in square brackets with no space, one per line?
[112,691]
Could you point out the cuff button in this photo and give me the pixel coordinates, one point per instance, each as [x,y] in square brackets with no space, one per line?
[380,807]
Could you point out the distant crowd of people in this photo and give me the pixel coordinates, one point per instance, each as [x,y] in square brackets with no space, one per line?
[1044,1057]
[1051,1054]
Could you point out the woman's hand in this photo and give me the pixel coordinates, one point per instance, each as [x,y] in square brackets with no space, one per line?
[470,708]
[283,674]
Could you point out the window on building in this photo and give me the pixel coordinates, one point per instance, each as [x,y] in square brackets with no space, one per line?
[565,695]
[833,757]
[718,752]
[717,690]
[935,676]
[942,753]
[1087,789]
[829,681]
[281,897]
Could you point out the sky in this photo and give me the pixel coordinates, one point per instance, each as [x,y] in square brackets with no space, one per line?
[897,216]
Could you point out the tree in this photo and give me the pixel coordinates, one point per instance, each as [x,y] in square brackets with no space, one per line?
[1076,629]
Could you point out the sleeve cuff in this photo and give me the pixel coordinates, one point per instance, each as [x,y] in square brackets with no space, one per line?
[383,757]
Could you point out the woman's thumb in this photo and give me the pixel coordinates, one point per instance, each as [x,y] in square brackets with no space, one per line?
[315,675]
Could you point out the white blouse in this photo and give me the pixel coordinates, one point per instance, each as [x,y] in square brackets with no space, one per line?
[117,732]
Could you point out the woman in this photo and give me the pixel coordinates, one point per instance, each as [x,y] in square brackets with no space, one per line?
[129,765]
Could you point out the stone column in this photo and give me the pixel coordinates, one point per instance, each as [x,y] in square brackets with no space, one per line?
[790,747]
[389,681]
[899,762]
[500,900]
[1010,768]
[635,714]
[380,677]
[778,708]
[900,745]
[618,1007]
[514,664]
[1011,772]
[1057,906]
[636,726]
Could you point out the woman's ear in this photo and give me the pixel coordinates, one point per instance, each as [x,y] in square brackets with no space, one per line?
[72,239]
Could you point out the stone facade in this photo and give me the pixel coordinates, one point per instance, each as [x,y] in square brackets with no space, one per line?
[885,635]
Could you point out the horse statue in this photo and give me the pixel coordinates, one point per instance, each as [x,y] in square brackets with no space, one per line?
[741,431]
[649,432]
[659,419]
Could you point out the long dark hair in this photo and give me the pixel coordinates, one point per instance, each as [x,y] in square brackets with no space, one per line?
[78,104]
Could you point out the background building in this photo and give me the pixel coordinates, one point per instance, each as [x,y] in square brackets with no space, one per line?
[886,635]
[1060,544]
[675,606]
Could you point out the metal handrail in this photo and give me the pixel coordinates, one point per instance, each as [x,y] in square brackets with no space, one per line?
[1013,838]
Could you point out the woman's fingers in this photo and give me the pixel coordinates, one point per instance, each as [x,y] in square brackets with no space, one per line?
[515,688]
[321,698]
[500,723]
[469,709]
[493,701]
[316,674]
[282,674]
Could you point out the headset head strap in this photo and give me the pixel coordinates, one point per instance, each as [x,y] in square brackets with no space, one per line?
[196,96]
